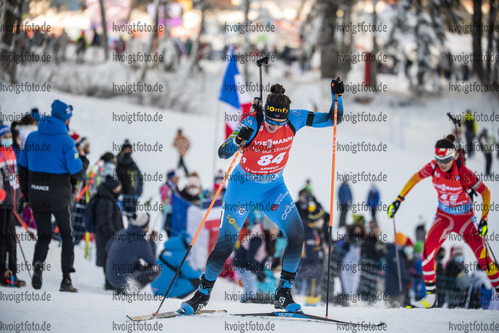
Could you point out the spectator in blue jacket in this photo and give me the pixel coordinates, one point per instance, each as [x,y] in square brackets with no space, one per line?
[125,249]
[48,167]
[169,260]
[373,200]
[345,198]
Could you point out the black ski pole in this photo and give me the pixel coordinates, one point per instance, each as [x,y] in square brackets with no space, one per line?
[22,252]
[259,63]
[456,124]
[335,122]
[490,250]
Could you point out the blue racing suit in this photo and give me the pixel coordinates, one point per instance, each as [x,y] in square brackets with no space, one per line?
[248,191]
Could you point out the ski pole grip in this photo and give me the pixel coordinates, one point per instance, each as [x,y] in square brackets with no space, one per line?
[264,60]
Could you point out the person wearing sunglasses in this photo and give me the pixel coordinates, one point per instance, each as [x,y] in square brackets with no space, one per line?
[257,184]
[451,180]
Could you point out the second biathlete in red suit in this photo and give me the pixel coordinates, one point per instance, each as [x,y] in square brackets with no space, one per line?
[451,179]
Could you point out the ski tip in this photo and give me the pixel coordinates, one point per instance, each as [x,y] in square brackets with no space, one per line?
[140,318]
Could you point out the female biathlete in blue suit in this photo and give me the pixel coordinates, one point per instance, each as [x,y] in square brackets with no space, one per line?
[257,182]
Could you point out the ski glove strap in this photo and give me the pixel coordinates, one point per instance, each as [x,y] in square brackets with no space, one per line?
[482,228]
[392,209]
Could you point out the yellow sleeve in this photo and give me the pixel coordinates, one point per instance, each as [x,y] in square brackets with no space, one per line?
[410,184]
[486,202]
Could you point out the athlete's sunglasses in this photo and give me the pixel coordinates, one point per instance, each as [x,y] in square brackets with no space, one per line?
[444,160]
[273,122]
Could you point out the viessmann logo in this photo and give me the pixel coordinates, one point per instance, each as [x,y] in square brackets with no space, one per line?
[270,142]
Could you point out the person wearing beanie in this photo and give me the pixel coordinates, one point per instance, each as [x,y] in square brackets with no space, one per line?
[9,187]
[130,177]
[400,239]
[108,218]
[265,138]
[452,180]
[48,167]
[418,247]
[124,270]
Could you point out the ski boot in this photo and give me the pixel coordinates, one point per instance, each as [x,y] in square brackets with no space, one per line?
[283,298]
[8,279]
[200,298]
[36,280]
[427,302]
[13,281]
[4,277]
[67,286]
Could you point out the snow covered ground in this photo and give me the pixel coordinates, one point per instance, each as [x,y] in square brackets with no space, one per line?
[411,128]
[96,310]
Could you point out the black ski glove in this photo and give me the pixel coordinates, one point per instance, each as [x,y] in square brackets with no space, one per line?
[337,87]
[392,209]
[482,228]
[244,134]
